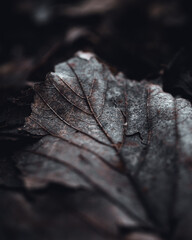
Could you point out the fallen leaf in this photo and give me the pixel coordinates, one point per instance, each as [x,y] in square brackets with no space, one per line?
[127,141]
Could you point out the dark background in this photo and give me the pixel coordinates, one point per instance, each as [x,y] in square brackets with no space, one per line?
[140,38]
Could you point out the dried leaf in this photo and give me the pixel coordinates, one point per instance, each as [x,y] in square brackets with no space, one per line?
[128,141]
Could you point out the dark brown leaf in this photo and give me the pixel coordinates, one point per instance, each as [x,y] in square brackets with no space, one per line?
[129,142]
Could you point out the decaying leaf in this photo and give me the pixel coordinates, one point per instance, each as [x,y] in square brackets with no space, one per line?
[127,142]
